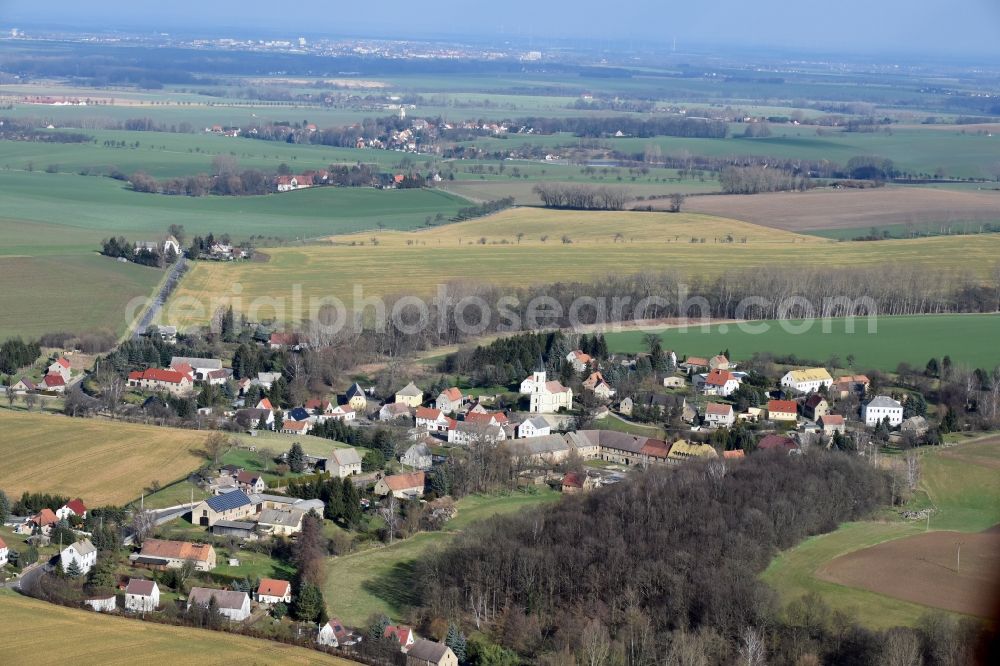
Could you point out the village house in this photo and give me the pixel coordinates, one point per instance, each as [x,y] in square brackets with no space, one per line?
[480,416]
[154,379]
[418,456]
[320,409]
[343,463]
[717,382]
[719,362]
[718,415]
[54,383]
[851,385]
[467,432]
[618,447]
[736,454]
[232,605]
[255,419]
[400,634]
[266,379]
[197,367]
[782,410]
[450,400]
[694,364]
[283,340]
[60,367]
[271,591]
[335,634]
[4,553]
[536,426]
[882,407]
[682,450]
[162,554]
[831,423]
[82,552]
[343,413]
[574,482]
[219,377]
[549,396]
[410,396]
[43,520]
[780,443]
[141,595]
[673,381]
[596,383]
[544,449]
[403,486]
[809,380]
[355,397]
[916,425]
[233,505]
[394,411]
[250,482]
[815,406]
[578,360]
[429,653]
[296,427]
[281,522]
[23,385]
[74,507]
[433,419]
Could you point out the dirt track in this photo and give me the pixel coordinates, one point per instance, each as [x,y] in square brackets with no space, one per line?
[922,569]
[849,209]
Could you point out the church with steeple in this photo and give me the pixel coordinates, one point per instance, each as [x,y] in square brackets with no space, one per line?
[547,396]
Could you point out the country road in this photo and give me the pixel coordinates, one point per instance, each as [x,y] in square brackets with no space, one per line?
[153,311]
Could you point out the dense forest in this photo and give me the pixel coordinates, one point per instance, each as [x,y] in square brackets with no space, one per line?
[663,569]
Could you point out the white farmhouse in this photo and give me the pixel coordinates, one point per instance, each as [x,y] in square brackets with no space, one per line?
[534,427]
[83,552]
[141,595]
[881,407]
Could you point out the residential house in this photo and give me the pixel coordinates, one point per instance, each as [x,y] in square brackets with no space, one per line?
[410,396]
[296,427]
[549,396]
[808,380]
[694,364]
[915,424]
[882,407]
[574,482]
[23,385]
[718,415]
[682,450]
[403,486]
[335,634]
[536,426]
[320,409]
[250,482]
[82,552]
[54,383]
[782,410]
[232,605]
[619,447]
[343,463]
[673,381]
[154,379]
[266,379]
[579,360]
[200,367]
[141,595]
[851,385]
[482,417]
[233,505]
[450,400]
[780,443]
[271,591]
[394,411]
[162,554]
[832,423]
[400,634]
[4,553]
[596,383]
[170,245]
[355,397]
[465,433]
[418,456]
[74,507]
[166,333]
[60,367]
[44,520]
[719,362]
[281,522]
[433,419]
[343,413]
[429,653]
[815,406]
[281,340]
[219,377]
[718,382]
[255,419]
[544,449]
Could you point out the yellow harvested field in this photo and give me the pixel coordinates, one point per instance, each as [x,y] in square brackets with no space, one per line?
[103,462]
[488,250]
[91,638]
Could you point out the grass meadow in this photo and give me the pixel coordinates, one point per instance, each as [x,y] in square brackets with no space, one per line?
[960,483]
[117,640]
[967,338]
[102,462]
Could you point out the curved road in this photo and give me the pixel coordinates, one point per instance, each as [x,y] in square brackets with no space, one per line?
[153,311]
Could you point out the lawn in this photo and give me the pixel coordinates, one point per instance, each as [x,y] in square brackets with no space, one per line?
[380,580]
[613,422]
[968,339]
[964,489]
[115,640]
[490,251]
[103,462]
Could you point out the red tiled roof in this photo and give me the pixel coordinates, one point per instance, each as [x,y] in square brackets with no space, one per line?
[316,403]
[656,448]
[2,544]
[696,360]
[183,368]
[139,586]
[77,506]
[573,480]
[832,419]
[63,362]
[428,413]
[718,377]
[264,403]
[718,409]
[453,393]
[738,453]
[485,417]
[405,481]
[177,550]
[401,633]
[45,517]
[284,339]
[158,375]
[54,380]
[270,587]
[247,477]
[787,406]
[772,442]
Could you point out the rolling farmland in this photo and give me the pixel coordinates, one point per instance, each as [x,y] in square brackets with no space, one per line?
[489,250]
[101,461]
[117,640]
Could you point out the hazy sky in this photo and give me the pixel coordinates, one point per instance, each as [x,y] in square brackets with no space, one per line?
[871,26]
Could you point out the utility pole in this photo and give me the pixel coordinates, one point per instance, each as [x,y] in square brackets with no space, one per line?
[958,558]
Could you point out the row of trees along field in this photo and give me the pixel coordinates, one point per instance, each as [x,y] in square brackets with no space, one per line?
[663,570]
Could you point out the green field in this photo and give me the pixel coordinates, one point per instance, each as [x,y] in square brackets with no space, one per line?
[117,640]
[960,483]
[380,580]
[968,339]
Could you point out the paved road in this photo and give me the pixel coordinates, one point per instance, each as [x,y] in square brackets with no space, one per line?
[153,311]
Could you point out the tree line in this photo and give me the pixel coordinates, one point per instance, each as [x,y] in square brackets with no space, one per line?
[15,354]
[581,197]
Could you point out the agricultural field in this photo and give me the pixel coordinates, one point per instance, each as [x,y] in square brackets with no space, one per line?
[493,250]
[103,462]
[967,338]
[116,640]
[922,209]
[380,580]
[961,485]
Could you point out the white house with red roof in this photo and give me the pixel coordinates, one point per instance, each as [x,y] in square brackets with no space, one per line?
[343,413]
[401,634]
[432,419]
[61,367]
[272,591]
[450,400]
[579,360]
[74,507]
[719,382]
[4,552]
[155,379]
[54,383]
[718,415]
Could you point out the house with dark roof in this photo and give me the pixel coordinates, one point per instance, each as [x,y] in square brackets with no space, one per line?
[232,605]
[141,595]
[335,634]
[815,406]
[356,398]
[250,482]
[344,462]
[234,505]
[429,653]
